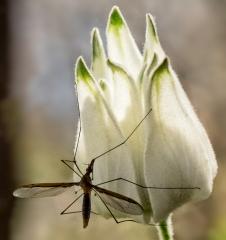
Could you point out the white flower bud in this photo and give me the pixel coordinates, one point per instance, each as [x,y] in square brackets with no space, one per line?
[169,149]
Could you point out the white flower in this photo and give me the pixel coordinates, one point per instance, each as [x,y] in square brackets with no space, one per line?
[169,149]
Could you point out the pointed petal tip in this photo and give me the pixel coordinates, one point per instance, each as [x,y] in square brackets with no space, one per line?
[95,29]
[115,18]
[149,17]
[97,45]
[150,25]
[80,61]
[98,58]
[81,70]
[94,33]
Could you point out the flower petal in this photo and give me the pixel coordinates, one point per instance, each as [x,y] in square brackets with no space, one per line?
[99,66]
[152,45]
[178,151]
[100,132]
[122,48]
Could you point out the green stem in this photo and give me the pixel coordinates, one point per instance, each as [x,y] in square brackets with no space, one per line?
[165,229]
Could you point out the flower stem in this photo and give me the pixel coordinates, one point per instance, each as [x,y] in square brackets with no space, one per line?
[165,229]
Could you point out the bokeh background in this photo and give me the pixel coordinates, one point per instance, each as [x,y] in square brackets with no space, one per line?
[39,115]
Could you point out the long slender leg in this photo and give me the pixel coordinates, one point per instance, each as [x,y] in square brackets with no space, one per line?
[66,163]
[64,211]
[71,212]
[126,180]
[123,142]
[79,133]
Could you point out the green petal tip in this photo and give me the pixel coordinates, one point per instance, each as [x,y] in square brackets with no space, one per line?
[81,70]
[97,46]
[115,18]
[95,35]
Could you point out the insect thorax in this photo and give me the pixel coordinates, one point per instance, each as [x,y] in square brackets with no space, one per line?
[86,183]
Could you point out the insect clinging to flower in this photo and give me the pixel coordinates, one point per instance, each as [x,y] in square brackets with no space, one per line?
[152,165]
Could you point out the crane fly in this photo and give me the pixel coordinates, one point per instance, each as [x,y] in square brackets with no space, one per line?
[113,199]
[108,198]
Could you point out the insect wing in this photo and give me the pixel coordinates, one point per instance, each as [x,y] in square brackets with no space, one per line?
[39,190]
[119,201]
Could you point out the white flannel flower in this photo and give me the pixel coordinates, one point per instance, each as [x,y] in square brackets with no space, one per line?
[169,149]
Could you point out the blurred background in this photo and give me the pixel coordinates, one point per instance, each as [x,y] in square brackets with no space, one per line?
[40,41]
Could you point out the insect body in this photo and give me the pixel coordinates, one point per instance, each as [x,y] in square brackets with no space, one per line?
[53,189]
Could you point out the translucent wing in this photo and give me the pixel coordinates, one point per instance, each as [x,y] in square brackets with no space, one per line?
[119,202]
[42,189]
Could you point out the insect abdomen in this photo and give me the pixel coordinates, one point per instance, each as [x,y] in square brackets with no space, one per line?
[86,208]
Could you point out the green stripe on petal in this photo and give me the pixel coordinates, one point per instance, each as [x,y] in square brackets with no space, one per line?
[82,74]
[99,65]
[158,76]
[146,81]
[152,45]
[153,54]
[81,71]
[151,31]
[122,48]
[97,45]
